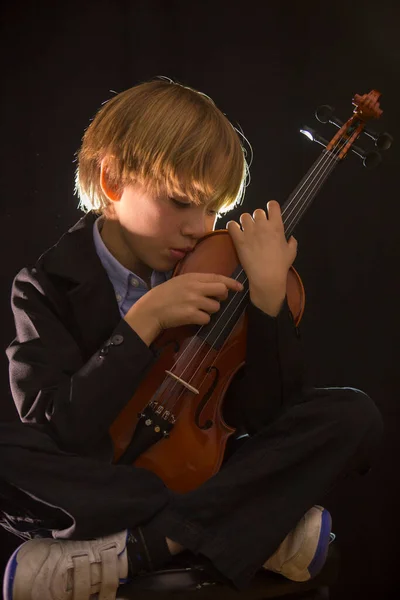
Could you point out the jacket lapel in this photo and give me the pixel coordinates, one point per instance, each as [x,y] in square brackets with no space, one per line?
[73,265]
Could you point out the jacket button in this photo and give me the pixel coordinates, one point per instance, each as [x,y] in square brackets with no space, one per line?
[117,340]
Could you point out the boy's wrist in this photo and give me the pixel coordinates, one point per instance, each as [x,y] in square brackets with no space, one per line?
[144,325]
[270,301]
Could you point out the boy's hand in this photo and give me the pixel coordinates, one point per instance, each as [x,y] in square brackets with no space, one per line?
[265,255]
[187,299]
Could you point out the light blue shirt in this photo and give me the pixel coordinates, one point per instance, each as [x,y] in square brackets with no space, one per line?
[128,286]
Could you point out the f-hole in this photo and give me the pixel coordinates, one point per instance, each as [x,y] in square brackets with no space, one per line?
[205,399]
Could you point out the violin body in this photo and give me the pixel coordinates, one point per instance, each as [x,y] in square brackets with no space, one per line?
[195,449]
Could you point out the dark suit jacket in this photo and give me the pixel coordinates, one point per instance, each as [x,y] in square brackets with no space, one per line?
[65,312]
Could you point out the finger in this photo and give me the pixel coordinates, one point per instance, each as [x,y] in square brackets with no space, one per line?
[293,244]
[273,208]
[246,216]
[217,291]
[259,214]
[229,282]
[274,212]
[234,230]
[232,225]
[232,284]
[220,282]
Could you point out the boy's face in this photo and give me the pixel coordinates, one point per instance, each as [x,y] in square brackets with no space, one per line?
[147,227]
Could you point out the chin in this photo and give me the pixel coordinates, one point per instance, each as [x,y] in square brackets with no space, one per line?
[163,266]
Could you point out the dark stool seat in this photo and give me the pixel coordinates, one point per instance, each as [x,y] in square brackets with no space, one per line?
[191,581]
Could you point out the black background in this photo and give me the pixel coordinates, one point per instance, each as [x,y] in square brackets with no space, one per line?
[267,66]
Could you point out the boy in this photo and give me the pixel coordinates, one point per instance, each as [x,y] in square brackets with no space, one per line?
[157,165]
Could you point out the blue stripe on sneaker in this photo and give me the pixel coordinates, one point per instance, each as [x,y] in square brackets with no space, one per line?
[321,552]
[9,575]
[126,541]
[123,580]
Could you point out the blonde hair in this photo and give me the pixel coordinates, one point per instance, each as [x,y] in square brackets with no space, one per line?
[167,137]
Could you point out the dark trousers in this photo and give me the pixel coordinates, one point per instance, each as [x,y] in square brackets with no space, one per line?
[237,518]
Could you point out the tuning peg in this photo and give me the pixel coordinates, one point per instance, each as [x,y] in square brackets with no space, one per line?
[369,159]
[324,114]
[383,141]
[314,136]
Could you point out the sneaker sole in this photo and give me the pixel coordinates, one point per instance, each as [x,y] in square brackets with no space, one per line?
[321,553]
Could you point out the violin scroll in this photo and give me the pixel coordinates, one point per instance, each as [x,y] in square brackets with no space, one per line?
[366,108]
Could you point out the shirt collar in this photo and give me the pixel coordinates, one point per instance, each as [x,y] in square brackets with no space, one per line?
[121,277]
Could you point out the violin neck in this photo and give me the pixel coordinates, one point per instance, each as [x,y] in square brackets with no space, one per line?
[222,323]
[303,195]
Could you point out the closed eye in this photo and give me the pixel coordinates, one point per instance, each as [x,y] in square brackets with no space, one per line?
[180,204]
[187,204]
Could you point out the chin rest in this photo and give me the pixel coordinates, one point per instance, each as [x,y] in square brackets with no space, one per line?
[189,576]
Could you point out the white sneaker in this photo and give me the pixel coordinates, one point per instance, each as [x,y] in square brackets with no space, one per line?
[49,569]
[303,552]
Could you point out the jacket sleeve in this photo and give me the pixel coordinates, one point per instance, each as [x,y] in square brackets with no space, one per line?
[273,371]
[51,383]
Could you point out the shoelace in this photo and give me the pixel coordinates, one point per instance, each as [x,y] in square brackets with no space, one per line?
[109,576]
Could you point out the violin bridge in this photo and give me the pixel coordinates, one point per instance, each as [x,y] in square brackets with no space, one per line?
[184,383]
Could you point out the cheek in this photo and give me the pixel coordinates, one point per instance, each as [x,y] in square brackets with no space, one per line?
[148,220]
[134,215]
[160,220]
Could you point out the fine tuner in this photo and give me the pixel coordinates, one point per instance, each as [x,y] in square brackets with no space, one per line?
[383,141]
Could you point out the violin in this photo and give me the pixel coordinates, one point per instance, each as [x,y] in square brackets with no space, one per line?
[173,424]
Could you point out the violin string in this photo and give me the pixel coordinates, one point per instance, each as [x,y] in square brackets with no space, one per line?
[327,171]
[329,154]
[329,166]
[328,161]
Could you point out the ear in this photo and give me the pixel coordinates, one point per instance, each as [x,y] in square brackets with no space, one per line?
[108,189]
